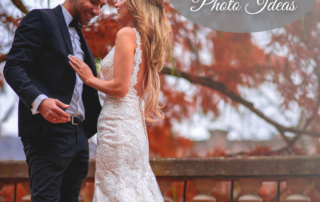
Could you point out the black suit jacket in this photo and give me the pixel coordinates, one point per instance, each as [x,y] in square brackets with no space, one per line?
[38,64]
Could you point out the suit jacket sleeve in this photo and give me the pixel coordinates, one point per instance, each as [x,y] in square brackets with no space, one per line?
[27,42]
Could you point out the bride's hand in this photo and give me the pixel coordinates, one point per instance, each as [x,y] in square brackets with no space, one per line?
[81,68]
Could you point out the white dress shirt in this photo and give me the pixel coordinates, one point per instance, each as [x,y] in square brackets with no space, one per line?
[76,105]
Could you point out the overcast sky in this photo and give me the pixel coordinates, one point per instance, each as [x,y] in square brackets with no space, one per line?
[241,123]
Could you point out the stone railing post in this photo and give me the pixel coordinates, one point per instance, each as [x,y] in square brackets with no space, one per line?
[1,187]
[164,186]
[298,186]
[250,187]
[27,197]
[204,187]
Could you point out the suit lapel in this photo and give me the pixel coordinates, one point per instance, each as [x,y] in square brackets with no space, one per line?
[63,28]
[66,36]
[88,55]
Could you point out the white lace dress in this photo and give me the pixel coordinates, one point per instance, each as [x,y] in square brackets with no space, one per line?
[123,172]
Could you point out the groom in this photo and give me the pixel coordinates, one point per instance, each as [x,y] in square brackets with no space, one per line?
[57,112]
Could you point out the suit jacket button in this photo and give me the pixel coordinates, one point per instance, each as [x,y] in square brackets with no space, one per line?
[68,101]
[72,84]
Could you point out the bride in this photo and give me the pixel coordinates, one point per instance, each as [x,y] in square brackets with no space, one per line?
[130,84]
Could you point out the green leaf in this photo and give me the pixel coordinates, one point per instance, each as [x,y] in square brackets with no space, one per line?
[97,62]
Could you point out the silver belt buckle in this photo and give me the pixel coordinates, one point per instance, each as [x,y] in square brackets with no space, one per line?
[72,121]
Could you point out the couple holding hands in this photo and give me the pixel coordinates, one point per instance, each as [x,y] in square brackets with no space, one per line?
[52,70]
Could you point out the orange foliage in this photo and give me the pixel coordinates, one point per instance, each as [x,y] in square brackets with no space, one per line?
[222,191]
[164,143]
[88,191]
[7,193]
[259,150]
[1,82]
[217,152]
[268,190]
[229,58]
[176,191]
[298,81]
[101,35]
[235,61]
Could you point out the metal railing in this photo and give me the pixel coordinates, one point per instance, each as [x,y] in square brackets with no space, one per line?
[298,173]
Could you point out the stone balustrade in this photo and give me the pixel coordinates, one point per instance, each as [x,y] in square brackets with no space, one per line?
[299,173]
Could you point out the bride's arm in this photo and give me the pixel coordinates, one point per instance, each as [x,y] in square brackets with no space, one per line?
[122,66]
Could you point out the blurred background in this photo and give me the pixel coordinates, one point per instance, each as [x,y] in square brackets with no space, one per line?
[224,94]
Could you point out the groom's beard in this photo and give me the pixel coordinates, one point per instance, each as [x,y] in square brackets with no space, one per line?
[80,11]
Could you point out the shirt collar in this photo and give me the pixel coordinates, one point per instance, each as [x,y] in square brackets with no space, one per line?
[67,16]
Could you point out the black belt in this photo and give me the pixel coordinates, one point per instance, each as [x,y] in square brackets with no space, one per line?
[76,120]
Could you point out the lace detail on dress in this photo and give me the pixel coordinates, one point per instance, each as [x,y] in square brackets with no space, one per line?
[137,60]
[123,172]
[107,66]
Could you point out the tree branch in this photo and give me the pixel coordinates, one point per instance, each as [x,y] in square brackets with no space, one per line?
[204,81]
[19,4]
[291,142]
[274,199]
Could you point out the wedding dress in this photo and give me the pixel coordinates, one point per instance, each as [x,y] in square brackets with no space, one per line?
[123,172]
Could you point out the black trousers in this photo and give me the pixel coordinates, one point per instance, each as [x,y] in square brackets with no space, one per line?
[58,163]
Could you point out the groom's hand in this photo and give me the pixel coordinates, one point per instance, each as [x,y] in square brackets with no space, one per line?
[50,110]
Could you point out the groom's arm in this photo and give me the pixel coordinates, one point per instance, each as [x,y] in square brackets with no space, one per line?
[36,103]
[28,40]
[25,48]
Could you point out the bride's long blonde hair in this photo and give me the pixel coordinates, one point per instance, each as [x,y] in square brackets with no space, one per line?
[152,24]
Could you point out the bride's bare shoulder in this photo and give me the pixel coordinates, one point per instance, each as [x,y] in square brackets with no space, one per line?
[126,34]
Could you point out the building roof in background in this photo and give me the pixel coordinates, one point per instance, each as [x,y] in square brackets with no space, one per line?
[218,139]
[11,148]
